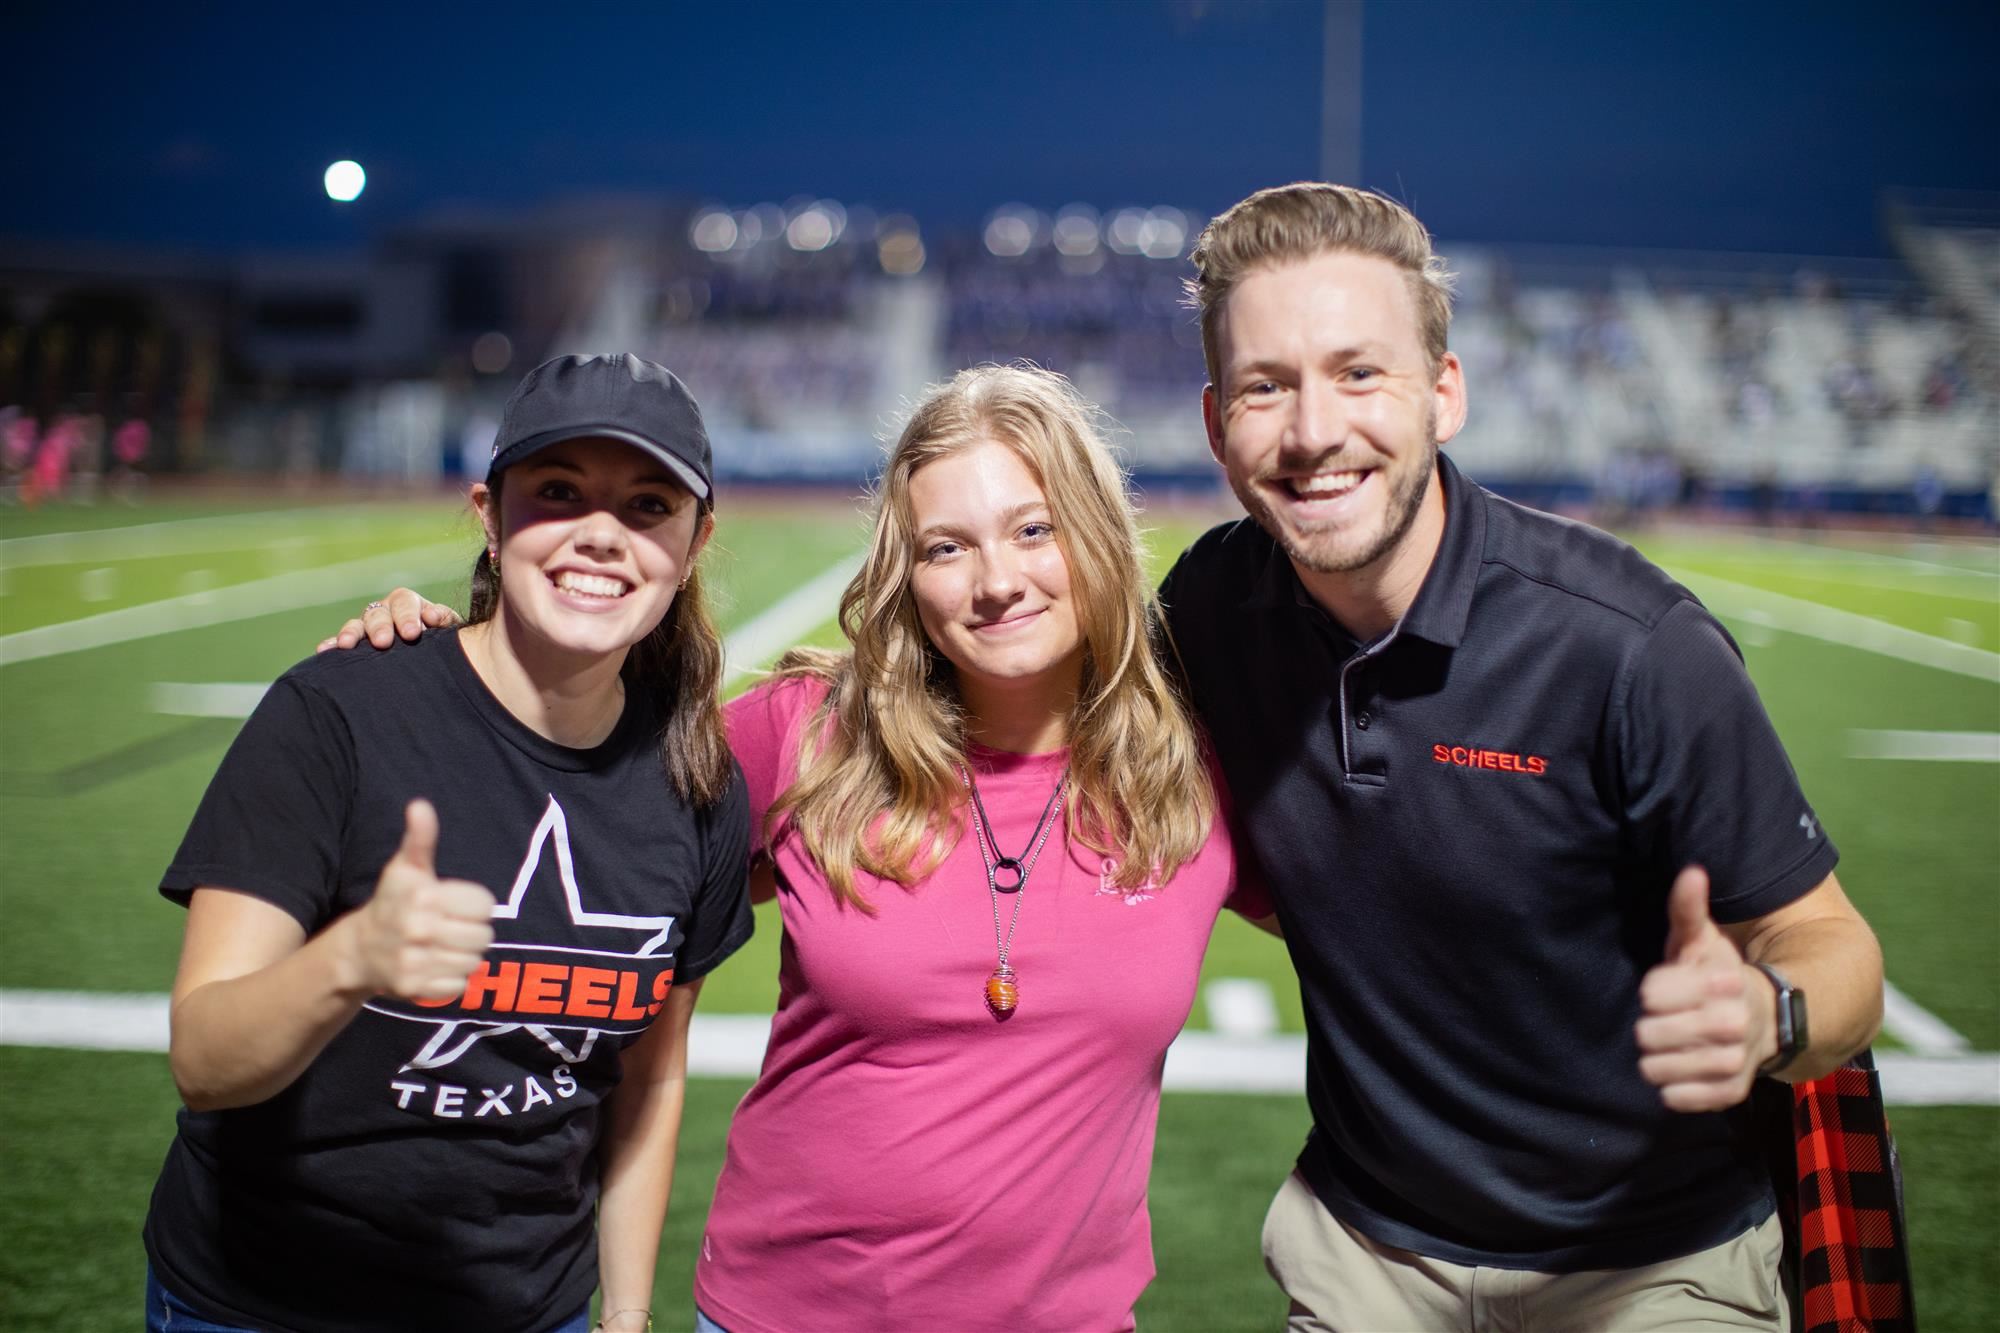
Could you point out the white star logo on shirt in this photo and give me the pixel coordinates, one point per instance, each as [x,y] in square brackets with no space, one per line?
[455,1036]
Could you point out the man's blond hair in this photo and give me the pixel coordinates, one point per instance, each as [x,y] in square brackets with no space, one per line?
[1291,223]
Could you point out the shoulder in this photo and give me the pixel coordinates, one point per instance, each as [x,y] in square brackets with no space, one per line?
[764,725]
[1573,563]
[1215,570]
[347,677]
[775,704]
[729,813]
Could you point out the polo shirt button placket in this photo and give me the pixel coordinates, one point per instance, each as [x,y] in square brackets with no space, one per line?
[1357,690]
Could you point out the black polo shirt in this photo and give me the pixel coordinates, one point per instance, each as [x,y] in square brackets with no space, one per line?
[1469,826]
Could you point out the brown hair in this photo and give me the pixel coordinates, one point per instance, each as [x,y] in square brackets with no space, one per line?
[679,663]
[879,785]
[1291,223]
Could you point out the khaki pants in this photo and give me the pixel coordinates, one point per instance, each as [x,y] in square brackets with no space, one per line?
[1340,1281]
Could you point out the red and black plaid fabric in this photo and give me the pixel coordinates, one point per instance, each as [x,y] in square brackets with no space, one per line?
[1840,1198]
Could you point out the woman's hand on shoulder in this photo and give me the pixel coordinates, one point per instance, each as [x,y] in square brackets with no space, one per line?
[403,614]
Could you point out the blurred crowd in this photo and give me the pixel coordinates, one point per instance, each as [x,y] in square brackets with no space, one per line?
[1636,384]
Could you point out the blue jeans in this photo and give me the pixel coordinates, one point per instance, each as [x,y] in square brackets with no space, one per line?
[168,1313]
[703,1324]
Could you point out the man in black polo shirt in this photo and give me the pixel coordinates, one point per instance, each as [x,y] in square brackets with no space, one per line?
[1553,893]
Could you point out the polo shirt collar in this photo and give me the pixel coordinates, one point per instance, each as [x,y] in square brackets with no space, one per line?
[1445,600]
[1444,603]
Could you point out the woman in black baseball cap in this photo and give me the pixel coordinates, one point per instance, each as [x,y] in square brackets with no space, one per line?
[449,909]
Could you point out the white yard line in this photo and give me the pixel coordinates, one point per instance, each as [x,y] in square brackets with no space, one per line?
[732,1045]
[1930,1080]
[1240,1007]
[727,1045]
[1809,553]
[145,541]
[720,1044]
[1845,628]
[763,636]
[1872,574]
[217,700]
[788,620]
[83,1020]
[1917,1027]
[1974,747]
[241,601]
[1210,1062]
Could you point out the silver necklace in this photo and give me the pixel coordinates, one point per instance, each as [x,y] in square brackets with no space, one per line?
[1003,991]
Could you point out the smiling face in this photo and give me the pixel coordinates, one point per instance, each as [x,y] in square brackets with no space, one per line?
[990,581]
[594,537]
[1327,414]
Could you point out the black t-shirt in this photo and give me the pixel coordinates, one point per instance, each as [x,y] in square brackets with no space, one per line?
[436,1165]
[1469,827]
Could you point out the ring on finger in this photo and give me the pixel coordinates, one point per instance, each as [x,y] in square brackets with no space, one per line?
[374,606]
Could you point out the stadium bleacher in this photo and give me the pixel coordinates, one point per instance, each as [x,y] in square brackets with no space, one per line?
[1633,379]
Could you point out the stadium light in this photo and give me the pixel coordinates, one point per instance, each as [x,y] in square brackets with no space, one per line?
[899,245]
[713,231]
[1011,230]
[1125,231]
[344,181]
[816,226]
[762,222]
[1163,233]
[1076,230]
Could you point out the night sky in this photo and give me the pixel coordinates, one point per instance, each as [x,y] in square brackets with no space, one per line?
[1767,127]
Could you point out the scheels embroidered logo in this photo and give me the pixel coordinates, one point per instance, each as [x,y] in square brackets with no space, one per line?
[1500,761]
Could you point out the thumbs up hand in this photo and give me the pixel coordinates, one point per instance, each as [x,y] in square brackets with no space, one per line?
[1708,1016]
[419,937]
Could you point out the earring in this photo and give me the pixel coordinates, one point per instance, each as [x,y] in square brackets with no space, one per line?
[493,556]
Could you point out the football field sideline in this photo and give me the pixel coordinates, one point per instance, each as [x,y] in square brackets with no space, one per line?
[732,1046]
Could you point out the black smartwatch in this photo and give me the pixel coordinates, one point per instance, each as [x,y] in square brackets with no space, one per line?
[1792,1035]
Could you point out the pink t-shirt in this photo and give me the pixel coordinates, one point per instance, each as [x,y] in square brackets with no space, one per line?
[906,1161]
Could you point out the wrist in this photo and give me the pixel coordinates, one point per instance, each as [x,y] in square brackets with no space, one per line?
[1783,1035]
[349,960]
[625,1319]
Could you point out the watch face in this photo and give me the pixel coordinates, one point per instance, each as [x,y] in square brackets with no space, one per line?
[1791,1020]
[1794,1040]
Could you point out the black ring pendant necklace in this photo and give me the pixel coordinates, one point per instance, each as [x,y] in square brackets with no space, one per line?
[1009,875]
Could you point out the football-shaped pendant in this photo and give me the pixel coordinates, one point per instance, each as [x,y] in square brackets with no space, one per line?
[1001,992]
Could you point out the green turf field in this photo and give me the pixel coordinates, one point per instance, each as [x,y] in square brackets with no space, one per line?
[99,784]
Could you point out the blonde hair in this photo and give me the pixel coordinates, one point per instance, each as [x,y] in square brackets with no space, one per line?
[1290,223]
[880,786]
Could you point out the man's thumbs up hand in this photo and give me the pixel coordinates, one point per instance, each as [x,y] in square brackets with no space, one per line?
[1707,1015]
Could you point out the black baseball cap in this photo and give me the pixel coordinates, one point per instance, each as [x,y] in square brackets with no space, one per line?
[620,397]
